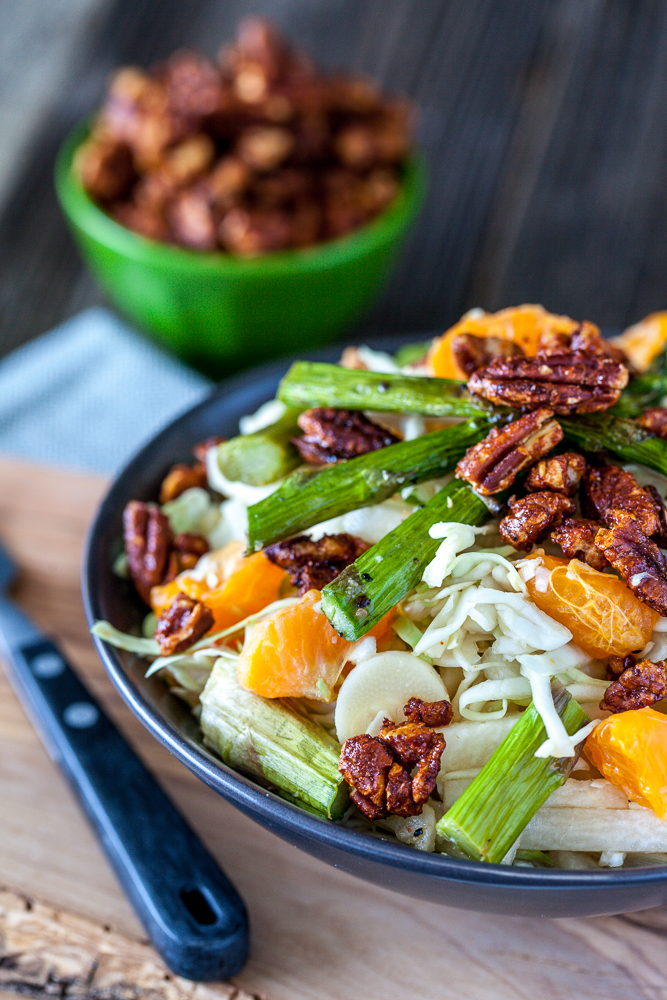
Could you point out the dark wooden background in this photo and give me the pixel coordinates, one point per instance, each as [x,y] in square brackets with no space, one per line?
[543,122]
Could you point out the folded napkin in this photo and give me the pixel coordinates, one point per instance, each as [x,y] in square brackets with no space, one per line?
[89,393]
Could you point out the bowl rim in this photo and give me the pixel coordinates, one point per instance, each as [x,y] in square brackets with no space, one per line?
[87,216]
[281,816]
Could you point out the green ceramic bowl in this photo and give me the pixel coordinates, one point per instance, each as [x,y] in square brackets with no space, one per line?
[220,312]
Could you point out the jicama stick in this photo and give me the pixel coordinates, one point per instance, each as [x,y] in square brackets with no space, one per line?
[634,829]
[596,793]
[263,457]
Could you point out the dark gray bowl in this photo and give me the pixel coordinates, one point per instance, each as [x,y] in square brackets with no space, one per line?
[439,879]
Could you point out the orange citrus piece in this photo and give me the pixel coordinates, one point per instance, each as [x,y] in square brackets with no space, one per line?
[523,325]
[603,615]
[630,749]
[288,654]
[644,341]
[253,583]
[162,596]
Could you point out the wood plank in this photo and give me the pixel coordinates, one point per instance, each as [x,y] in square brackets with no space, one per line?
[317,932]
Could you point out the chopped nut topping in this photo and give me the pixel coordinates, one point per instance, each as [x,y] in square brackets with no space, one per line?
[492,465]
[608,493]
[638,559]
[532,518]
[567,383]
[332,435]
[576,537]
[431,713]
[147,537]
[311,564]
[471,353]
[560,474]
[181,624]
[637,687]
[181,478]
[378,769]
[617,664]
[655,421]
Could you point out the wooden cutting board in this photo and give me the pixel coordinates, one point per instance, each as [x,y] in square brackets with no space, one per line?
[66,929]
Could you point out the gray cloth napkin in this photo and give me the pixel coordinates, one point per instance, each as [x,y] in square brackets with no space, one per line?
[89,393]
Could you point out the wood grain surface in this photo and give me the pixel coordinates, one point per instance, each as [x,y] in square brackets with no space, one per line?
[66,929]
[542,123]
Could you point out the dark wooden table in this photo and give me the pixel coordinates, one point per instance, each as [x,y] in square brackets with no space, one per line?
[543,123]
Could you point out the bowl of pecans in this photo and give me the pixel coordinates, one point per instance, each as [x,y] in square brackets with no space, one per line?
[237,209]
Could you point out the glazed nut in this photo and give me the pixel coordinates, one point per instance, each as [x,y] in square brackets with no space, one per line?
[492,465]
[265,148]
[314,564]
[638,560]
[588,339]
[568,383]
[181,624]
[637,686]
[333,435]
[180,478]
[655,421]
[472,353]
[576,537]
[532,518]
[617,664]
[560,474]
[609,493]
[147,538]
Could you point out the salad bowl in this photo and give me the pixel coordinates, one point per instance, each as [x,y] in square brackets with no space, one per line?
[516,891]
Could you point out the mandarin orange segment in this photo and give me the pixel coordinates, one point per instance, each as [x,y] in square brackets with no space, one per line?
[162,596]
[290,653]
[630,750]
[523,325]
[254,583]
[644,341]
[603,615]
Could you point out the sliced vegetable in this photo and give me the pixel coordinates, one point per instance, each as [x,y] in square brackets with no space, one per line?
[309,497]
[260,458]
[270,741]
[630,749]
[603,615]
[487,819]
[295,653]
[364,592]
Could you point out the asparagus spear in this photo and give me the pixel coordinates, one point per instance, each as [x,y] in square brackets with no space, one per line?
[271,741]
[310,383]
[487,819]
[364,592]
[625,438]
[263,457]
[641,392]
[309,496]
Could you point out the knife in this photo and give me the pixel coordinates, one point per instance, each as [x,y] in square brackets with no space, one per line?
[192,913]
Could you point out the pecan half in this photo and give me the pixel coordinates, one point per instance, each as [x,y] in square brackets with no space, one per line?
[431,713]
[617,664]
[561,474]
[588,339]
[608,493]
[332,435]
[567,383]
[638,686]
[639,561]
[180,478]
[471,353]
[311,564]
[181,624]
[553,342]
[655,421]
[186,551]
[532,518]
[147,538]
[576,537]
[492,465]
[660,536]
[380,769]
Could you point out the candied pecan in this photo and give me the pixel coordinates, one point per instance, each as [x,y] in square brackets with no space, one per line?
[576,537]
[532,518]
[180,478]
[492,465]
[561,474]
[660,536]
[399,793]
[191,221]
[181,624]
[608,493]
[147,538]
[587,338]
[471,353]
[186,551]
[617,664]
[415,746]
[655,421]
[364,763]
[313,564]
[431,713]
[567,383]
[105,167]
[637,687]
[553,342]
[331,435]
[202,447]
[638,559]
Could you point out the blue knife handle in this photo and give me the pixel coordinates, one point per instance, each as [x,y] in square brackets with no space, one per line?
[192,913]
